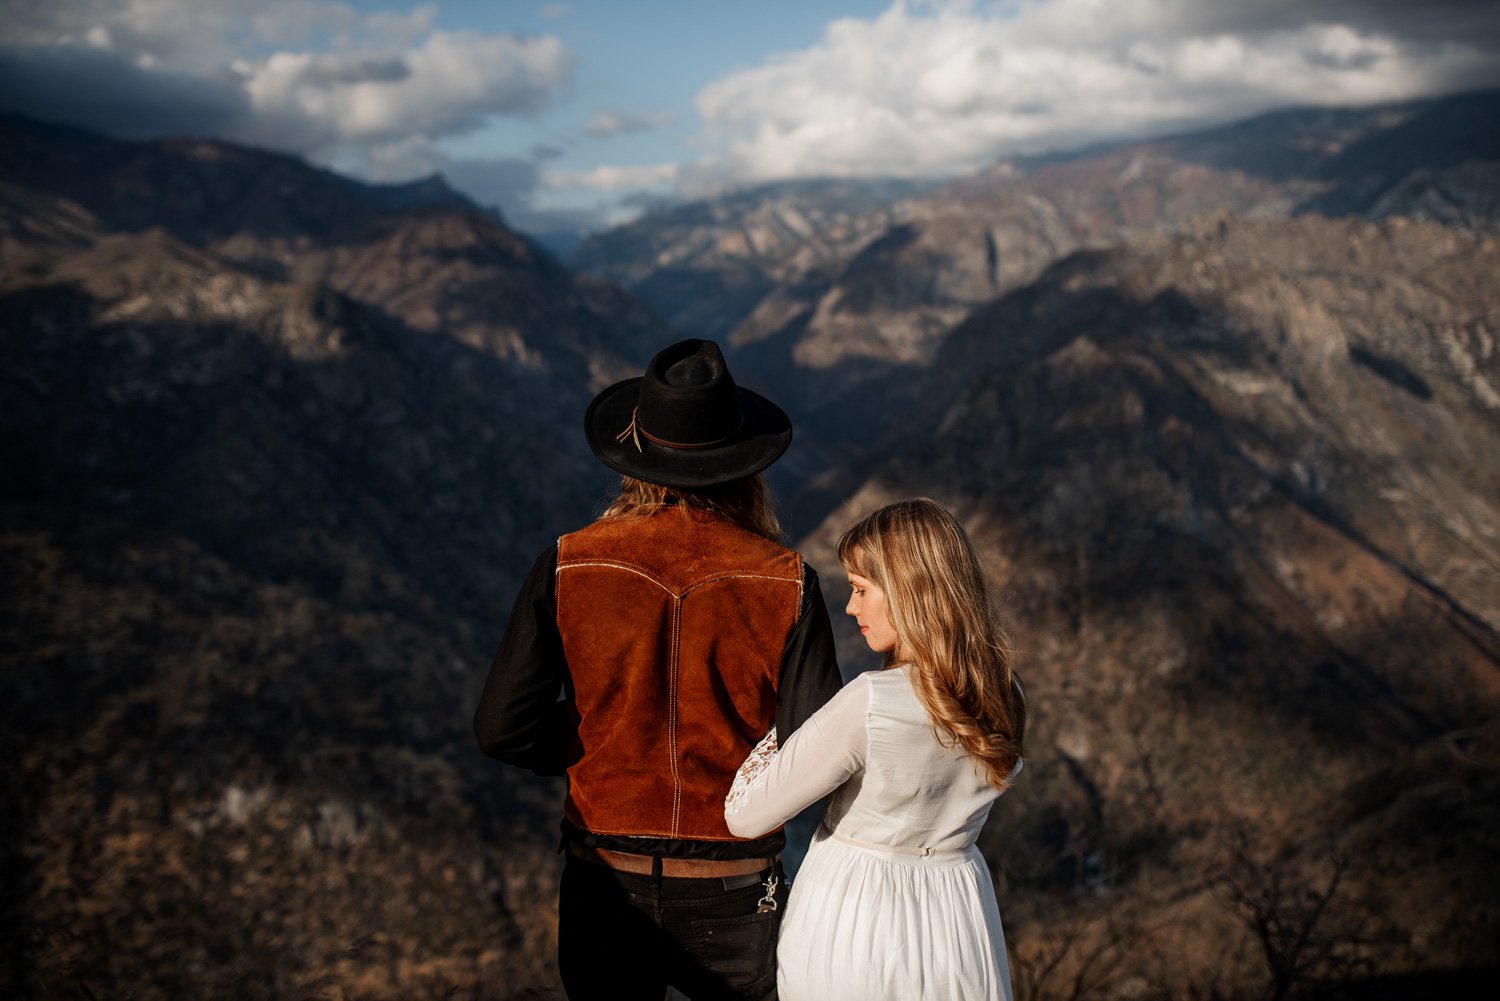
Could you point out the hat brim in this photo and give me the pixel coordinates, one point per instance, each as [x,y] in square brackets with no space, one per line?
[762,438]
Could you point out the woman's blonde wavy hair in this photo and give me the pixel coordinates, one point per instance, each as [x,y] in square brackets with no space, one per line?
[745,502]
[946,624]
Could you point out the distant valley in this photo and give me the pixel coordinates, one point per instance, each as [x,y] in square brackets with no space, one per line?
[842,290]
[1221,410]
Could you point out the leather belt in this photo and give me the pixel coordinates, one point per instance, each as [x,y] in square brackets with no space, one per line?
[677,868]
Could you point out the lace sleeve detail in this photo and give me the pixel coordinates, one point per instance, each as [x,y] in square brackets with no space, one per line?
[752,773]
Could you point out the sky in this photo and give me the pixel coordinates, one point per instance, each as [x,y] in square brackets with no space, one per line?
[576,115]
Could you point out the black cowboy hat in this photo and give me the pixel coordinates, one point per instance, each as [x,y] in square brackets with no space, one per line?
[686,424]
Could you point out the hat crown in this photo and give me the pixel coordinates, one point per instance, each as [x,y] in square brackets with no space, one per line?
[684,423]
[688,398]
[689,372]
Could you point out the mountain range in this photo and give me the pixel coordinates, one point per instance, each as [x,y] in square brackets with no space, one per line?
[1220,410]
[863,299]
[278,448]
[1247,529]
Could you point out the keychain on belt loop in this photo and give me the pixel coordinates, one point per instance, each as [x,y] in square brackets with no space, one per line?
[767,903]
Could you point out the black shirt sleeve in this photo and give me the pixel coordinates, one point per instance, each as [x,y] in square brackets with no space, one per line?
[521,719]
[809,667]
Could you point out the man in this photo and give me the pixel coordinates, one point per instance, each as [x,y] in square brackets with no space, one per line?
[678,631]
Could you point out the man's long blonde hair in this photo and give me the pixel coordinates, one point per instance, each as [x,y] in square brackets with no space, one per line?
[946,624]
[745,502]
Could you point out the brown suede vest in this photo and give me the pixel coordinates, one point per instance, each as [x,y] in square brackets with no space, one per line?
[673,625]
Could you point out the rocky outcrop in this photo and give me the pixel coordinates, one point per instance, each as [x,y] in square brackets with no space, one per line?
[280,445]
[956,248]
[277,454]
[1466,196]
[705,265]
[1238,487]
[854,320]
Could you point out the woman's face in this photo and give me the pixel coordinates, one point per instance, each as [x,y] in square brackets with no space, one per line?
[867,605]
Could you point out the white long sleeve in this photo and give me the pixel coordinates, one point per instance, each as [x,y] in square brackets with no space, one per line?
[773,786]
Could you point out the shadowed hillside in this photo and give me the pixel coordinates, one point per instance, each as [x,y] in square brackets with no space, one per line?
[859,319]
[279,446]
[268,494]
[1239,485]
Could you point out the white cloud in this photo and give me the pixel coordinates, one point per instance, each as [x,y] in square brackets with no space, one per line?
[188,36]
[942,88]
[928,88]
[610,178]
[307,76]
[606,122]
[448,84]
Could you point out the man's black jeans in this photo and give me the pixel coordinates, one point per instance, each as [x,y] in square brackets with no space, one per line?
[623,937]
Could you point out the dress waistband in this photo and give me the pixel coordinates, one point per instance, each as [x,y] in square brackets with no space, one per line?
[900,849]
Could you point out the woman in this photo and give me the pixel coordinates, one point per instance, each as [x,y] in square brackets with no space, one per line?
[894,899]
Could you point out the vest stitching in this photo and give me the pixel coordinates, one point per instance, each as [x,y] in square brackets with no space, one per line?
[675,656]
[617,566]
[629,568]
[672,717]
[797,610]
[737,576]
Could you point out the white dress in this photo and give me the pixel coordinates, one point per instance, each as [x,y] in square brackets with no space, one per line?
[893,900]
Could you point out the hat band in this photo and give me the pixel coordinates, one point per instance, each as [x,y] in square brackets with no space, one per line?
[634,432]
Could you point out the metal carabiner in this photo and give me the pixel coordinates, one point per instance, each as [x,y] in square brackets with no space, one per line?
[767,903]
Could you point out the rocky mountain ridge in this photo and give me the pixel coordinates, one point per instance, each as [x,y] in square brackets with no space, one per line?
[1220,411]
[881,319]
[1238,483]
[273,475]
[704,265]
[282,448]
